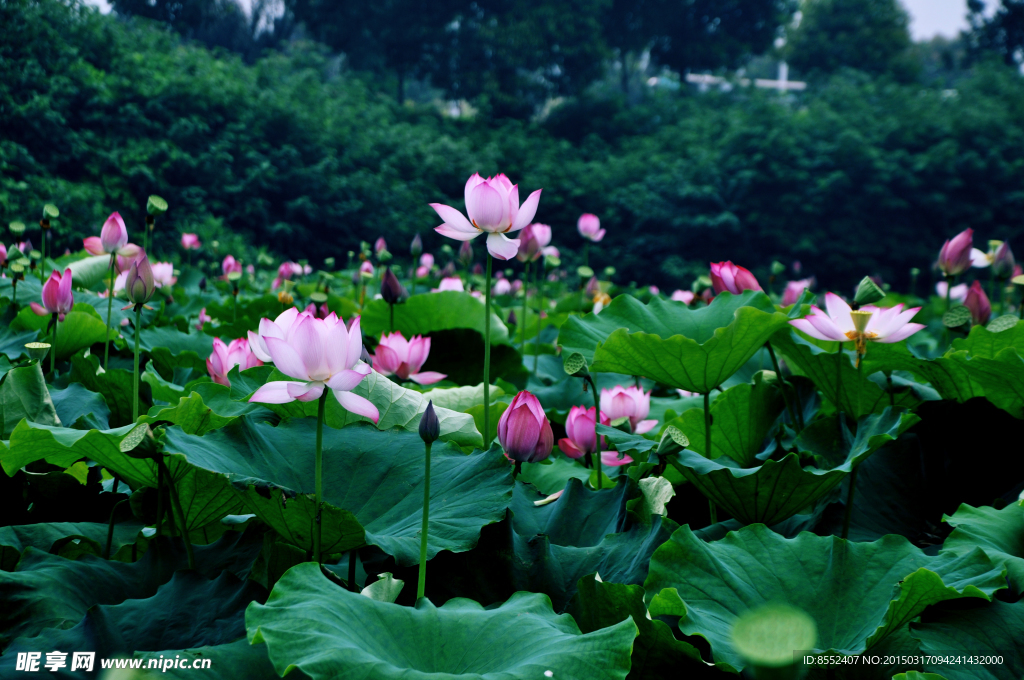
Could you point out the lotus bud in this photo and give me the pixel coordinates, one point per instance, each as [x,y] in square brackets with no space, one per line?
[140,285]
[978,303]
[726,276]
[524,431]
[868,292]
[380,246]
[512,320]
[430,426]
[416,247]
[390,289]
[955,255]
[1002,261]
[465,253]
[448,271]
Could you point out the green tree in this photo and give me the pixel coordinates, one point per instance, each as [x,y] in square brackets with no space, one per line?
[1002,33]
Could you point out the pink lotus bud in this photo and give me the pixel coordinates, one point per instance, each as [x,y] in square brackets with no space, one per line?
[422,272]
[797,267]
[390,289]
[250,269]
[524,431]
[426,260]
[416,247]
[203,319]
[978,303]
[139,282]
[589,227]
[451,283]
[593,287]
[3,254]
[628,402]
[478,269]
[229,265]
[684,296]
[517,286]
[366,269]
[226,357]
[1002,261]
[190,242]
[466,253]
[955,255]
[654,290]
[397,356]
[502,287]
[794,289]
[380,246]
[726,276]
[113,235]
[57,296]
[581,433]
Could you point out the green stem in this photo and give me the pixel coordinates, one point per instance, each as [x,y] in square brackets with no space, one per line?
[783,383]
[176,507]
[487,354]
[597,421]
[110,526]
[391,317]
[707,448]
[849,503]
[110,307]
[53,350]
[540,310]
[138,325]
[839,390]
[317,533]
[526,296]
[422,585]
[949,288]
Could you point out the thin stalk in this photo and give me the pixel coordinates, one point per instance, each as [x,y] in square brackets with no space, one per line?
[391,317]
[849,503]
[487,353]
[421,587]
[707,448]
[53,350]
[176,506]
[317,533]
[110,307]
[526,297]
[597,413]
[540,310]
[110,528]
[839,390]
[949,288]
[783,383]
[135,396]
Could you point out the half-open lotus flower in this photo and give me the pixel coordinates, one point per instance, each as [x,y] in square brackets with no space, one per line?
[726,276]
[397,356]
[628,402]
[977,301]
[955,255]
[190,242]
[533,243]
[57,296]
[226,357]
[493,208]
[589,227]
[163,274]
[890,324]
[318,354]
[524,431]
[794,289]
[230,265]
[113,238]
[684,296]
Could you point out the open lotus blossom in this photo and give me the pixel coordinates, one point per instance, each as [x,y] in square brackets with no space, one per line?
[999,257]
[203,319]
[226,357]
[57,296]
[794,289]
[955,255]
[628,402]
[869,323]
[397,356]
[289,269]
[190,242]
[493,208]
[956,293]
[450,283]
[726,276]
[684,296]
[533,243]
[589,227]
[229,265]
[163,274]
[582,437]
[524,431]
[977,301]
[113,238]
[318,354]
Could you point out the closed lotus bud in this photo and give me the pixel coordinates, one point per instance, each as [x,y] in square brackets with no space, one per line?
[416,247]
[449,270]
[465,253]
[524,431]
[955,255]
[430,426]
[1002,261]
[978,303]
[390,289]
[512,321]
[380,246]
[478,269]
[726,276]
[140,285]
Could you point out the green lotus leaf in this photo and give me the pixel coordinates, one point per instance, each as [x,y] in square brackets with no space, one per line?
[690,349]
[74,402]
[89,271]
[778,489]
[552,475]
[14,540]
[234,661]
[461,398]
[857,593]
[359,637]
[993,630]
[12,343]
[23,395]
[982,342]
[81,328]
[116,386]
[1000,533]
[62,447]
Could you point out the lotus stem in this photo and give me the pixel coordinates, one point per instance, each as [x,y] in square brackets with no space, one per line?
[839,390]
[110,526]
[135,402]
[784,384]
[53,350]
[526,297]
[176,508]
[849,503]
[949,288]
[110,307]
[487,353]
[317,529]
[597,421]
[540,310]
[707,446]
[421,586]
[391,318]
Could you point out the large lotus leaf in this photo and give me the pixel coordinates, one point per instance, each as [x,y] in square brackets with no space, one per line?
[1000,533]
[742,416]
[234,661]
[657,653]
[48,591]
[580,517]
[690,349]
[993,630]
[173,340]
[15,539]
[397,406]
[29,290]
[187,611]
[74,402]
[328,632]
[778,489]
[193,415]
[89,271]
[857,593]
[62,446]
[81,328]
[12,342]
[461,398]
[551,475]
[377,476]
[427,314]
[981,342]
[858,396]
[23,395]
[115,385]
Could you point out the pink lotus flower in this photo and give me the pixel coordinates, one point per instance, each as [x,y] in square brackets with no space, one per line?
[229,265]
[450,283]
[726,276]
[533,242]
[684,296]
[493,208]
[794,289]
[226,357]
[113,238]
[57,296]
[524,431]
[955,255]
[426,260]
[318,354]
[628,402]
[163,274]
[190,242]
[289,269]
[3,254]
[397,356]
[502,287]
[422,272]
[978,303]
[581,433]
[321,312]
[589,227]
[365,268]
[653,290]
[957,293]
[884,325]
[380,246]
[203,319]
